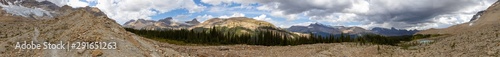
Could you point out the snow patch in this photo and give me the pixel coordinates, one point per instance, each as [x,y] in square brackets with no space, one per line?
[472,22]
[17,9]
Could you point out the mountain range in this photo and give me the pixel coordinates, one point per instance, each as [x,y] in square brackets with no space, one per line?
[393,31]
[166,23]
[325,30]
[249,25]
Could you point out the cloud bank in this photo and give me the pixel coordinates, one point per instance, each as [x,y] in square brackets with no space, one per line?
[405,14]
[410,14]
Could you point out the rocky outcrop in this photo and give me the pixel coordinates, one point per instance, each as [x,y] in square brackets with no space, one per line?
[476,16]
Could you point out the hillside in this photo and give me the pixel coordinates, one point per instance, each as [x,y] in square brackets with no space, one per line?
[70,25]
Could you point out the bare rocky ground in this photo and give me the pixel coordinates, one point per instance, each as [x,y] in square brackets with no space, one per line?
[78,25]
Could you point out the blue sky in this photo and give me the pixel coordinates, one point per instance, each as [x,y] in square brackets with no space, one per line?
[402,14]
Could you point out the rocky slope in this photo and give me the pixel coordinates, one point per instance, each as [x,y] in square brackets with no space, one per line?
[71,25]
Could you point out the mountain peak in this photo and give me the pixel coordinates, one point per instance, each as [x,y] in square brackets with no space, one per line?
[166,20]
[193,22]
[392,28]
[316,24]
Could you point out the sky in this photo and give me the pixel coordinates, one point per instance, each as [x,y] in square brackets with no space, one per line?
[401,14]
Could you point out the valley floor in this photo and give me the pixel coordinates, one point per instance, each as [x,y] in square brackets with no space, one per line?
[442,47]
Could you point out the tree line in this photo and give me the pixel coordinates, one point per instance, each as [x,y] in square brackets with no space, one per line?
[213,36]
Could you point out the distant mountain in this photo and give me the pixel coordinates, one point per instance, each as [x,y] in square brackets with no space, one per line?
[193,22]
[325,30]
[315,28]
[392,32]
[166,23]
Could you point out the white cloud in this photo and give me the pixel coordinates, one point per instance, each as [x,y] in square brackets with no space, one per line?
[57,2]
[410,14]
[234,15]
[204,17]
[359,7]
[264,17]
[72,3]
[77,3]
[261,17]
[124,10]
[303,24]
[419,14]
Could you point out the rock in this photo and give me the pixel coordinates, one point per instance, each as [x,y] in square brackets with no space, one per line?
[80,51]
[96,53]
[490,52]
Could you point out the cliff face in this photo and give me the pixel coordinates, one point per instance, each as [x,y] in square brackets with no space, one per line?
[71,25]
